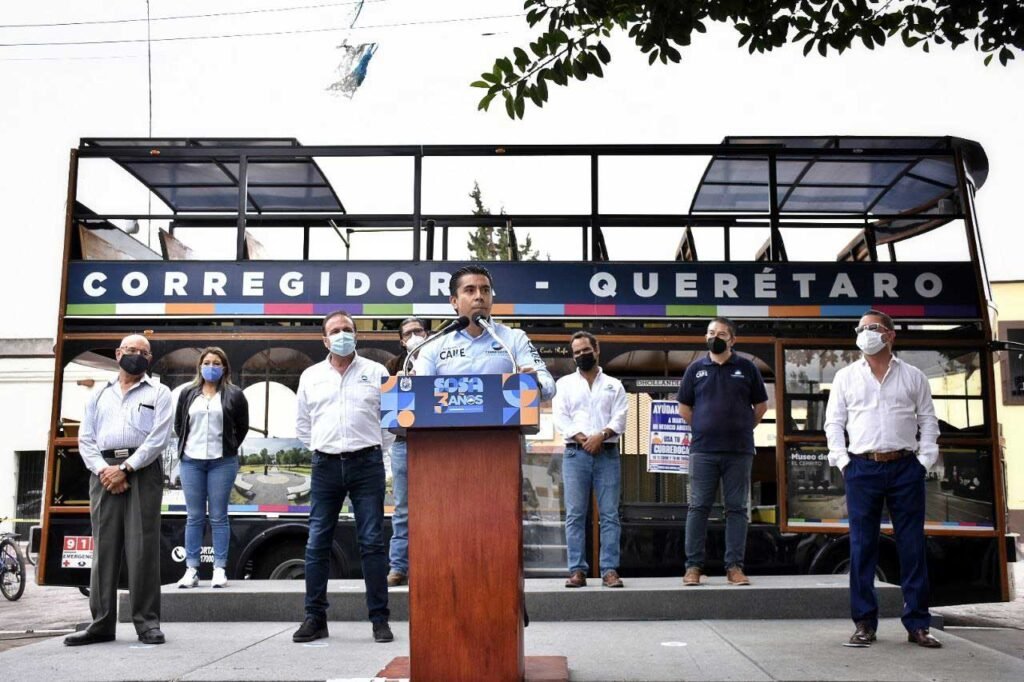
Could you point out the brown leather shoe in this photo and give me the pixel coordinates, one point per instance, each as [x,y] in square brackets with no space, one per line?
[611,579]
[863,637]
[396,578]
[736,576]
[577,579]
[692,576]
[921,637]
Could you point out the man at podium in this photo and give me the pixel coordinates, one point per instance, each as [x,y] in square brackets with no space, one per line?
[484,347]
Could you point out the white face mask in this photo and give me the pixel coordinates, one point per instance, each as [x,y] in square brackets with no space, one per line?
[413,342]
[870,342]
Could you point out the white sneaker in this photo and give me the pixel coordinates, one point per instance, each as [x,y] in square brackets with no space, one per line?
[220,578]
[190,579]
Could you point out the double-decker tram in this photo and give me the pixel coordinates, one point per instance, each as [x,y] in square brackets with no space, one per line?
[246,243]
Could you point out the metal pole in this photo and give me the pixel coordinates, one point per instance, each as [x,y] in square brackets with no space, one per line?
[417,197]
[243,193]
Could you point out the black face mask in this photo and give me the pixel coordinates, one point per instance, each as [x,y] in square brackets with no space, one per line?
[585,362]
[134,364]
[717,345]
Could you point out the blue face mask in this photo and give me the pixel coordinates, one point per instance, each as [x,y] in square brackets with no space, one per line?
[343,343]
[212,372]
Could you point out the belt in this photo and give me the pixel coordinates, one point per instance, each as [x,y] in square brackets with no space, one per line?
[604,446]
[120,453]
[349,455]
[884,455]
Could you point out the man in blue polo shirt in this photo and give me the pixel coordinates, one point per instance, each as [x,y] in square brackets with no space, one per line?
[722,397]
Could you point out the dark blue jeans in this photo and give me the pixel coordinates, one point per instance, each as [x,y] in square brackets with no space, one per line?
[706,469]
[901,485]
[362,479]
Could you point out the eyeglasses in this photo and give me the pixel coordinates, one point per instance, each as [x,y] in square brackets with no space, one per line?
[873,327]
[135,351]
[418,331]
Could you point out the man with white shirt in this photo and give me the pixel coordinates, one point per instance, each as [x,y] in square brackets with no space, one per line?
[590,412]
[122,438]
[884,404]
[338,418]
[473,350]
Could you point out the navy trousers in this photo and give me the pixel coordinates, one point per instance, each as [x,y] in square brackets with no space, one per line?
[901,486]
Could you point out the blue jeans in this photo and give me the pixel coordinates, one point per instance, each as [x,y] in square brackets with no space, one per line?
[207,482]
[399,556]
[901,485]
[362,479]
[582,472]
[706,468]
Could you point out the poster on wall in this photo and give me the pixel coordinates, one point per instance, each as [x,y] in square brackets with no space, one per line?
[669,448]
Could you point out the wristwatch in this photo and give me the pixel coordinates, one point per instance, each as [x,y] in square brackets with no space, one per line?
[123,467]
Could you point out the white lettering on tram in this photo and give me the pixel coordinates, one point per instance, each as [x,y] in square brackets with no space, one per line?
[91,284]
[291,284]
[174,284]
[135,284]
[928,285]
[399,283]
[764,284]
[356,284]
[213,283]
[686,285]
[725,285]
[645,291]
[804,279]
[843,286]
[252,283]
[602,284]
[439,282]
[885,285]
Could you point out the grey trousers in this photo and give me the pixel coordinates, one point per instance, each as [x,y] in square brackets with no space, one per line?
[126,529]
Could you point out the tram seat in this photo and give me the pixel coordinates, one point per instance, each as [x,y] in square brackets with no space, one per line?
[687,248]
[173,248]
[769,252]
[107,242]
[857,250]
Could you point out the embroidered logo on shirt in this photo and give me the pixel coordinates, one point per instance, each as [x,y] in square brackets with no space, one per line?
[738,373]
[701,373]
[449,353]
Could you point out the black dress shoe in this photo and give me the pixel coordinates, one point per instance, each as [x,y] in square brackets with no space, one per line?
[309,630]
[85,637]
[863,637]
[921,637]
[152,636]
[382,632]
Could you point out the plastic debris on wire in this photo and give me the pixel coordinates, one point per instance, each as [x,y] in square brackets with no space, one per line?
[352,68]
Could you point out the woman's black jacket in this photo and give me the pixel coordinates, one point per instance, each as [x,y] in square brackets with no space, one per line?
[236,416]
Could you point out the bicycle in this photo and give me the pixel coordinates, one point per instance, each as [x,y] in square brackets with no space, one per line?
[12,566]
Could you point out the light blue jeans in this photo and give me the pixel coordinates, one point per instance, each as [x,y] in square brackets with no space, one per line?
[399,551]
[706,469]
[582,472]
[207,482]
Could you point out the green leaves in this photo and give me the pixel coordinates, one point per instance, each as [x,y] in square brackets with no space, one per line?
[570,47]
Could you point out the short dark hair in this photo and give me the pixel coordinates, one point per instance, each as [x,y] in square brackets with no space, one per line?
[727,322]
[333,314]
[886,320]
[585,335]
[453,284]
[410,320]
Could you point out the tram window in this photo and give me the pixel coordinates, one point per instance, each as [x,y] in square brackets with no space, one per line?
[1012,364]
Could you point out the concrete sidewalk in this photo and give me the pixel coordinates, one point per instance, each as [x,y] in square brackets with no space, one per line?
[624,650]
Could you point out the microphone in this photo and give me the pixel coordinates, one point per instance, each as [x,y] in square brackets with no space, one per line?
[452,326]
[481,321]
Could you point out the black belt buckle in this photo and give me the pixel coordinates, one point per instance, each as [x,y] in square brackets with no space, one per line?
[122,453]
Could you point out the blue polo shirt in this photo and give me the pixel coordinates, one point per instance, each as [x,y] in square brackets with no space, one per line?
[722,398]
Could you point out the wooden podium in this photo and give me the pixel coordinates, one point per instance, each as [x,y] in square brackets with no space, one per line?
[466,602]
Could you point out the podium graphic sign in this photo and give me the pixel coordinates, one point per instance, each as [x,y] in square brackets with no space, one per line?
[460,401]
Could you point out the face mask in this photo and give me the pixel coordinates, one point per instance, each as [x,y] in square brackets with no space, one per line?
[870,342]
[413,342]
[586,361]
[134,365]
[717,345]
[343,343]
[212,372]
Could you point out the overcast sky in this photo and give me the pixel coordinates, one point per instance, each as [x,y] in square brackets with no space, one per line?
[416,91]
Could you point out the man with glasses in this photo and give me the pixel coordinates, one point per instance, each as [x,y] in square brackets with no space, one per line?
[123,434]
[411,333]
[722,397]
[885,406]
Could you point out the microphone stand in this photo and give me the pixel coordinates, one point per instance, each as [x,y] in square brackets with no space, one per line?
[452,326]
[481,321]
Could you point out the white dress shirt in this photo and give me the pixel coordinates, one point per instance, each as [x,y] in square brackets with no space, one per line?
[340,412]
[205,439]
[881,415]
[140,419]
[460,353]
[580,407]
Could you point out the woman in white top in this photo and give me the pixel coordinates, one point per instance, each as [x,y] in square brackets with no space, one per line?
[211,421]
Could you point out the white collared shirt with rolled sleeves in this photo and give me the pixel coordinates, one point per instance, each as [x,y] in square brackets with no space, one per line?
[461,353]
[580,407]
[881,415]
[340,412]
[140,419]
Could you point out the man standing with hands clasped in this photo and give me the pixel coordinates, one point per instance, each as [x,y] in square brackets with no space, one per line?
[883,404]
[722,397]
[590,411]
